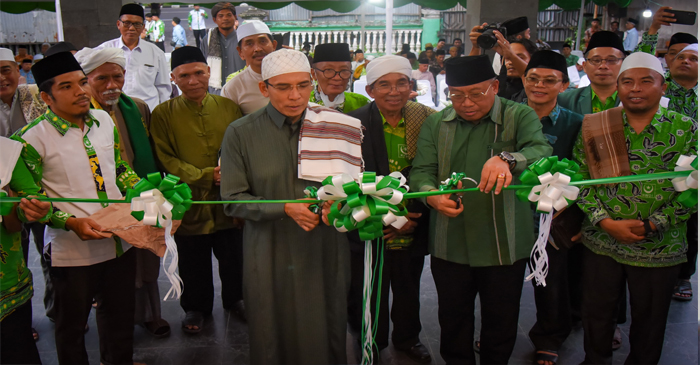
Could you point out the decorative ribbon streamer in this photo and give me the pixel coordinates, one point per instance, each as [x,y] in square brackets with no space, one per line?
[157,201]
[312,193]
[553,192]
[367,206]
[688,186]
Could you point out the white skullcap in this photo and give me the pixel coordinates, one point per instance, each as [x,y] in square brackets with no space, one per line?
[689,48]
[284,61]
[91,58]
[370,58]
[383,65]
[252,27]
[6,55]
[641,60]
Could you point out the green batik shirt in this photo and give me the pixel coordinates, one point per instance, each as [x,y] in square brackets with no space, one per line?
[352,101]
[15,279]
[599,106]
[397,151]
[682,100]
[655,149]
[125,177]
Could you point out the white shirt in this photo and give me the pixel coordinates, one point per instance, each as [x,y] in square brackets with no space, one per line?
[147,73]
[244,91]
[67,174]
[197,19]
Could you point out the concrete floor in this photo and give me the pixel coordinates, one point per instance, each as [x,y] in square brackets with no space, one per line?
[224,340]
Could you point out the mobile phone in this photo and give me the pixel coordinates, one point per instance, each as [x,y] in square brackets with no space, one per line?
[683,17]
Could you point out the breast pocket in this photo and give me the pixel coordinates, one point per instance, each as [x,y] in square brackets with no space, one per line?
[148,72]
[498,147]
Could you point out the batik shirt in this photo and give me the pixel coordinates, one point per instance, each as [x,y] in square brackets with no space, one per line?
[655,149]
[682,100]
[598,105]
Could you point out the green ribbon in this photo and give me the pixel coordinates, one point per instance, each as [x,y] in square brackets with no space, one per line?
[367,206]
[179,196]
[540,173]
[312,193]
[452,181]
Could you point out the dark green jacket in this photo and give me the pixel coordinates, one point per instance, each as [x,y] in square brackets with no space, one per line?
[579,100]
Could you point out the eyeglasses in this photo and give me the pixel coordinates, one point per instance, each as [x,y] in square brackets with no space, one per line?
[546,82]
[599,61]
[386,88]
[128,25]
[474,97]
[330,73]
[288,87]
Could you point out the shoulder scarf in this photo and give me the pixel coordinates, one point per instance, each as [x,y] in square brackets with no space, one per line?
[214,58]
[604,144]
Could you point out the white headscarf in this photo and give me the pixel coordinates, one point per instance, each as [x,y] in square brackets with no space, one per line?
[284,61]
[90,58]
[383,65]
[689,48]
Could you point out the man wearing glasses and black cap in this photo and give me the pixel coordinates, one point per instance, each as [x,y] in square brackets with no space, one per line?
[147,75]
[483,249]
[332,71]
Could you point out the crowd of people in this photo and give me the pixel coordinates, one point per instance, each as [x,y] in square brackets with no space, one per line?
[238,119]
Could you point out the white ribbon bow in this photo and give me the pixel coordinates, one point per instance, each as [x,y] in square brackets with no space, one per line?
[689,182]
[157,208]
[553,192]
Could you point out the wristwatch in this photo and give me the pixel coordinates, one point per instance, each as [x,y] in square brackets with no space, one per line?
[648,232]
[507,157]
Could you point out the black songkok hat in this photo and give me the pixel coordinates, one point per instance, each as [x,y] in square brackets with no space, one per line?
[429,48]
[605,38]
[332,52]
[424,61]
[132,9]
[566,45]
[440,52]
[682,38]
[517,25]
[470,70]
[359,51]
[632,20]
[60,47]
[184,55]
[405,48]
[54,65]
[547,59]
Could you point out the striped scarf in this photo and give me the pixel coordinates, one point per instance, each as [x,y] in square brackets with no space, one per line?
[329,144]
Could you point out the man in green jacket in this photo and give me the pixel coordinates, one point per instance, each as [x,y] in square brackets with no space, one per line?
[483,250]
[332,71]
[604,56]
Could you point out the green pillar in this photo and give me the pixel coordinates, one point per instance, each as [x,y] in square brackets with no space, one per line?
[431,27]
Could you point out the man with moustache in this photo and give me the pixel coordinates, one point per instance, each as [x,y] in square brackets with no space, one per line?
[72,152]
[219,46]
[493,139]
[332,72]
[545,78]
[146,75]
[187,133]
[604,56]
[255,43]
[676,44]
[296,270]
[105,72]
[634,233]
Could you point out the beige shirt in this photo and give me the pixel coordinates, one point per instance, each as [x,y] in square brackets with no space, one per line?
[244,91]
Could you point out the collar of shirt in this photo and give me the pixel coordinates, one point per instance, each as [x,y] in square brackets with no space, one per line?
[126,49]
[62,125]
[673,85]
[609,102]
[14,98]
[493,115]
[655,122]
[279,118]
[401,124]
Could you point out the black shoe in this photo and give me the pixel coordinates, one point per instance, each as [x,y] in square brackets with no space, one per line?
[418,353]
[239,308]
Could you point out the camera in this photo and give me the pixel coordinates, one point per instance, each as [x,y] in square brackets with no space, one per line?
[487,39]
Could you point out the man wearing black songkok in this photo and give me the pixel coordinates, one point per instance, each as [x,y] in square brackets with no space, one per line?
[482,249]
[332,71]
[73,152]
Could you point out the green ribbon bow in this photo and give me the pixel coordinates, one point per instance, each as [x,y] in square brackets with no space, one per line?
[452,181]
[170,199]
[312,193]
[551,178]
[366,206]
[688,186]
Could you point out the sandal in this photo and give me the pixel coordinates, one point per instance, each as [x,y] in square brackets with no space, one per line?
[193,319]
[543,356]
[683,291]
[158,329]
[35,334]
[617,339]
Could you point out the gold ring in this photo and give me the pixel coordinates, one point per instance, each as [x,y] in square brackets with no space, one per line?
[501,176]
